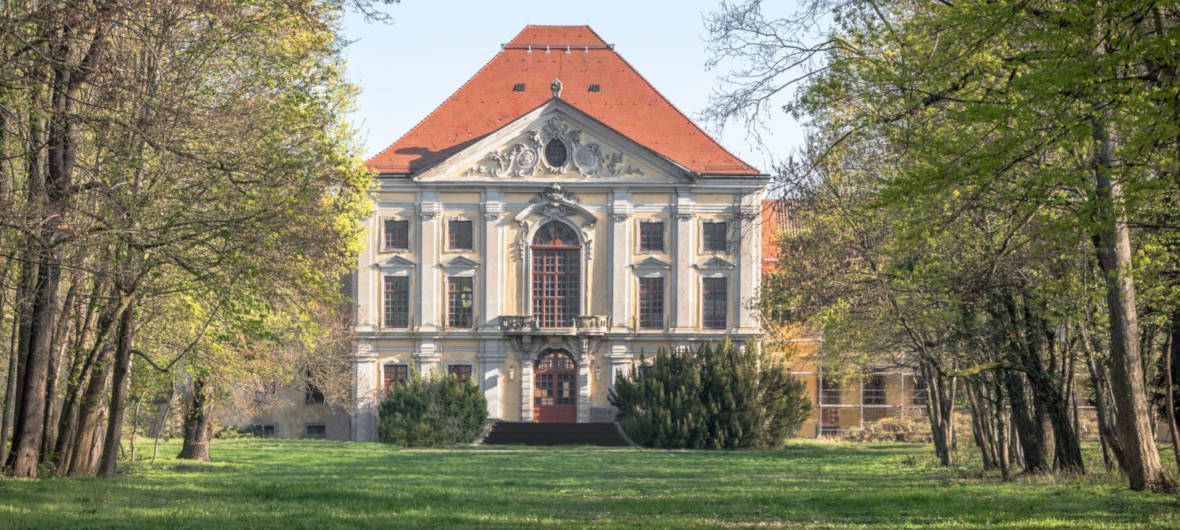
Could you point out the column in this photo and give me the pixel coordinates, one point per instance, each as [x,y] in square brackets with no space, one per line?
[526,389]
[364,394]
[491,366]
[429,285]
[494,260]
[749,267]
[684,288]
[619,257]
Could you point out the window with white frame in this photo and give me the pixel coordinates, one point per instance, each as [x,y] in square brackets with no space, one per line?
[714,236]
[459,234]
[651,236]
[395,235]
[396,302]
[714,302]
[460,302]
[651,302]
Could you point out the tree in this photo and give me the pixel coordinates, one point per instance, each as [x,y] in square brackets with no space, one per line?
[1069,104]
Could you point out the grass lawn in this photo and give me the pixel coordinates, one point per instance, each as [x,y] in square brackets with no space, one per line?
[316,484]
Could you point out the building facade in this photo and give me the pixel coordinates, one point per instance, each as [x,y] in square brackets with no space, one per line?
[549,224]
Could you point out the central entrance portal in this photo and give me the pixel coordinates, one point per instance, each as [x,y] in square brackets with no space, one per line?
[556,388]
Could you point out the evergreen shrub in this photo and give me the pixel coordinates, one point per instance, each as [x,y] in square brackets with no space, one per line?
[717,397]
[434,412]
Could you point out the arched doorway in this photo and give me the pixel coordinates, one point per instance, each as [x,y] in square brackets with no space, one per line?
[555,391]
[557,273]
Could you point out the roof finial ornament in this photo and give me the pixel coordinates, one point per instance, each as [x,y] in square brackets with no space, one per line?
[555,86]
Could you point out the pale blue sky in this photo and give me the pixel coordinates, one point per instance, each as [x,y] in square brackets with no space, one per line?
[406,69]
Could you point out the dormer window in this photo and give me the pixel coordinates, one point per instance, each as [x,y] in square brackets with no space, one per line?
[519,87]
[556,153]
[595,88]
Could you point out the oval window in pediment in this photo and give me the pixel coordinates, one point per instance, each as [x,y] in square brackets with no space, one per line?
[556,153]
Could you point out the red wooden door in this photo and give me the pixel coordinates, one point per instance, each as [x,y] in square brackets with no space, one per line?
[555,389]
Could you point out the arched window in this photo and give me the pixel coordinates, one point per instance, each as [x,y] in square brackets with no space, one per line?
[557,274]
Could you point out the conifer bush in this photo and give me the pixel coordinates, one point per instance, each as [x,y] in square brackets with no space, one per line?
[717,397]
[434,412]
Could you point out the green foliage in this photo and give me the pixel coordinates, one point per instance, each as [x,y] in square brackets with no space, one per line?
[718,397]
[434,412]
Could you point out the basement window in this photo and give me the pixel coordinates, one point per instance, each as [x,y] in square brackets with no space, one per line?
[314,430]
[519,87]
[595,88]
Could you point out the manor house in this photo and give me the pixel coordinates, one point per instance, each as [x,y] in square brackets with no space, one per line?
[552,221]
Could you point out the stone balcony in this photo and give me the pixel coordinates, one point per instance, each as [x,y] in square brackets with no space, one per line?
[527,325]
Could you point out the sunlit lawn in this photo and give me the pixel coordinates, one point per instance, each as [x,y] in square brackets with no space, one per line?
[315,484]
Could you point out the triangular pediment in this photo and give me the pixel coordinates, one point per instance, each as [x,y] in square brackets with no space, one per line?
[459,263]
[396,262]
[715,263]
[652,263]
[556,142]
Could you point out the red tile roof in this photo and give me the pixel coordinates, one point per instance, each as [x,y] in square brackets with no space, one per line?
[578,57]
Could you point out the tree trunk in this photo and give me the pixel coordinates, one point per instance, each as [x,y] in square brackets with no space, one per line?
[50,422]
[134,427]
[32,406]
[1028,431]
[198,424]
[122,378]
[1171,364]
[1113,242]
[88,412]
[160,429]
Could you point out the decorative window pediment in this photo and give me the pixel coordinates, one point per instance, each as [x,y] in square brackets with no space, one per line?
[715,264]
[396,265]
[459,266]
[550,204]
[652,264]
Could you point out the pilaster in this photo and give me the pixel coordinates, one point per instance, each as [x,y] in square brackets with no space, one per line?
[494,259]
[364,394]
[526,390]
[749,269]
[428,357]
[429,285]
[685,292]
[619,361]
[619,257]
[491,365]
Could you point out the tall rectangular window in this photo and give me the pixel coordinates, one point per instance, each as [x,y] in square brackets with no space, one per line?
[397,302]
[459,235]
[460,302]
[715,236]
[651,303]
[462,372]
[394,374]
[651,236]
[397,235]
[714,303]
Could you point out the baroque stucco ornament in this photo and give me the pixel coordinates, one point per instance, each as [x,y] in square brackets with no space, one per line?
[523,159]
[551,203]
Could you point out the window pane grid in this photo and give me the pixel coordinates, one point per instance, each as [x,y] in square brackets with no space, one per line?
[460,306]
[714,303]
[462,372]
[651,303]
[397,234]
[651,236]
[395,374]
[459,235]
[714,237]
[397,302]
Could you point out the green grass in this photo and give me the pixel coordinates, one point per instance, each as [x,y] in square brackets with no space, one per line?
[316,484]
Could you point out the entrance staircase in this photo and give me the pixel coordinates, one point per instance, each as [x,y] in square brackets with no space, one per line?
[512,433]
